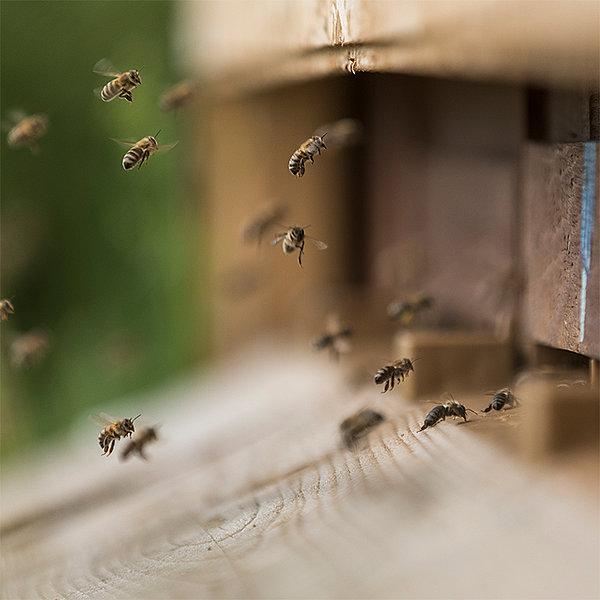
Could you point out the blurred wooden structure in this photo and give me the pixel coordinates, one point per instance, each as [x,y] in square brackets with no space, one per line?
[476,182]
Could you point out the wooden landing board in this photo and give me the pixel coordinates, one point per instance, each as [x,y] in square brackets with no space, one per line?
[249,494]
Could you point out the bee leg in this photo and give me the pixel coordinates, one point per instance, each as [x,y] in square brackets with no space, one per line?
[144,158]
[386,386]
[300,254]
[111,447]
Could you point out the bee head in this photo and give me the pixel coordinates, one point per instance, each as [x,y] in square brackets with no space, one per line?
[134,76]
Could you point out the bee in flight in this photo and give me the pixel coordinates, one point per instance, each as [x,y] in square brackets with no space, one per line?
[138,443]
[113,431]
[294,238]
[265,218]
[121,85]
[6,308]
[450,408]
[178,96]
[396,372]
[406,310]
[336,337]
[306,152]
[27,130]
[29,348]
[358,425]
[502,398]
[141,150]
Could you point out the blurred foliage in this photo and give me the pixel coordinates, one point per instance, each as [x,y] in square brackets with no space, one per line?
[102,259]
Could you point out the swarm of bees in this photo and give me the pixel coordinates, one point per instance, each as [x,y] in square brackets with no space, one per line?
[294,238]
[139,442]
[450,408]
[358,425]
[6,308]
[396,372]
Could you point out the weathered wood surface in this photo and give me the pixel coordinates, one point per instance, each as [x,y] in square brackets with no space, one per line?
[268,42]
[249,495]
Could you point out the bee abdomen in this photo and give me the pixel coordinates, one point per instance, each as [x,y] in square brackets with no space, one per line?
[434,415]
[383,374]
[132,158]
[110,90]
[296,164]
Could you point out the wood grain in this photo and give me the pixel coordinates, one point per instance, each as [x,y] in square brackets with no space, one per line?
[249,494]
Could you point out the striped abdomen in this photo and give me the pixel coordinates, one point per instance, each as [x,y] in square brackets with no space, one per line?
[112,89]
[436,414]
[296,164]
[132,157]
[499,400]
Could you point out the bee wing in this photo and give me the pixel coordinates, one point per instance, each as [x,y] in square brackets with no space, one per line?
[105,67]
[102,419]
[166,147]
[317,243]
[125,143]
[278,239]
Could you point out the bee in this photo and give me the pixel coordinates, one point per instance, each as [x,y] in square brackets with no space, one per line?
[502,398]
[179,95]
[306,152]
[358,425]
[27,131]
[336,338]
[113,431]
[265,218]
[294,238]
[119,87]
[6,308]
[396,372]
[29,348]
[137,444]
[141,150]
[450,408]
[407,310]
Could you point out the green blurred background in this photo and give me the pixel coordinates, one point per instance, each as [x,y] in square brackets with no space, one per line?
[106,261]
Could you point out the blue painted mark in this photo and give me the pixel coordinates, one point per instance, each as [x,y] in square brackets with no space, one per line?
[588,194]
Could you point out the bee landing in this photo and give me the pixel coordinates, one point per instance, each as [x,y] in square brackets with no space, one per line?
[306,152]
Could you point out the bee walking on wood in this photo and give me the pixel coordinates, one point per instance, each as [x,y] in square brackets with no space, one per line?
[139,442]
[336,338]
[396,372]
[178,96]
[306,152]
[141,150]
[113,431]
[294,238]
[358,425]
[450,408]
[406,310]
[6,308]
[502,398]
[121,86]
[27,131]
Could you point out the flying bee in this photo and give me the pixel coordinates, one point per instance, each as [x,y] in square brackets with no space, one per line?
[137,444]
[336,338]
[358,425]
[306,152]
[179,95]
[396,372]
[121,85]
[294,238]
[113,431]
[27,131]
[29,348]
[141,150]
[406,310]
[502,398]
[265,218]
[6,308]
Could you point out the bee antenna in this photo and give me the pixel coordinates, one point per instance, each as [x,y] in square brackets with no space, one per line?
[323,135]
[134,418]
[156,134]
[473,411]
[141,68]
